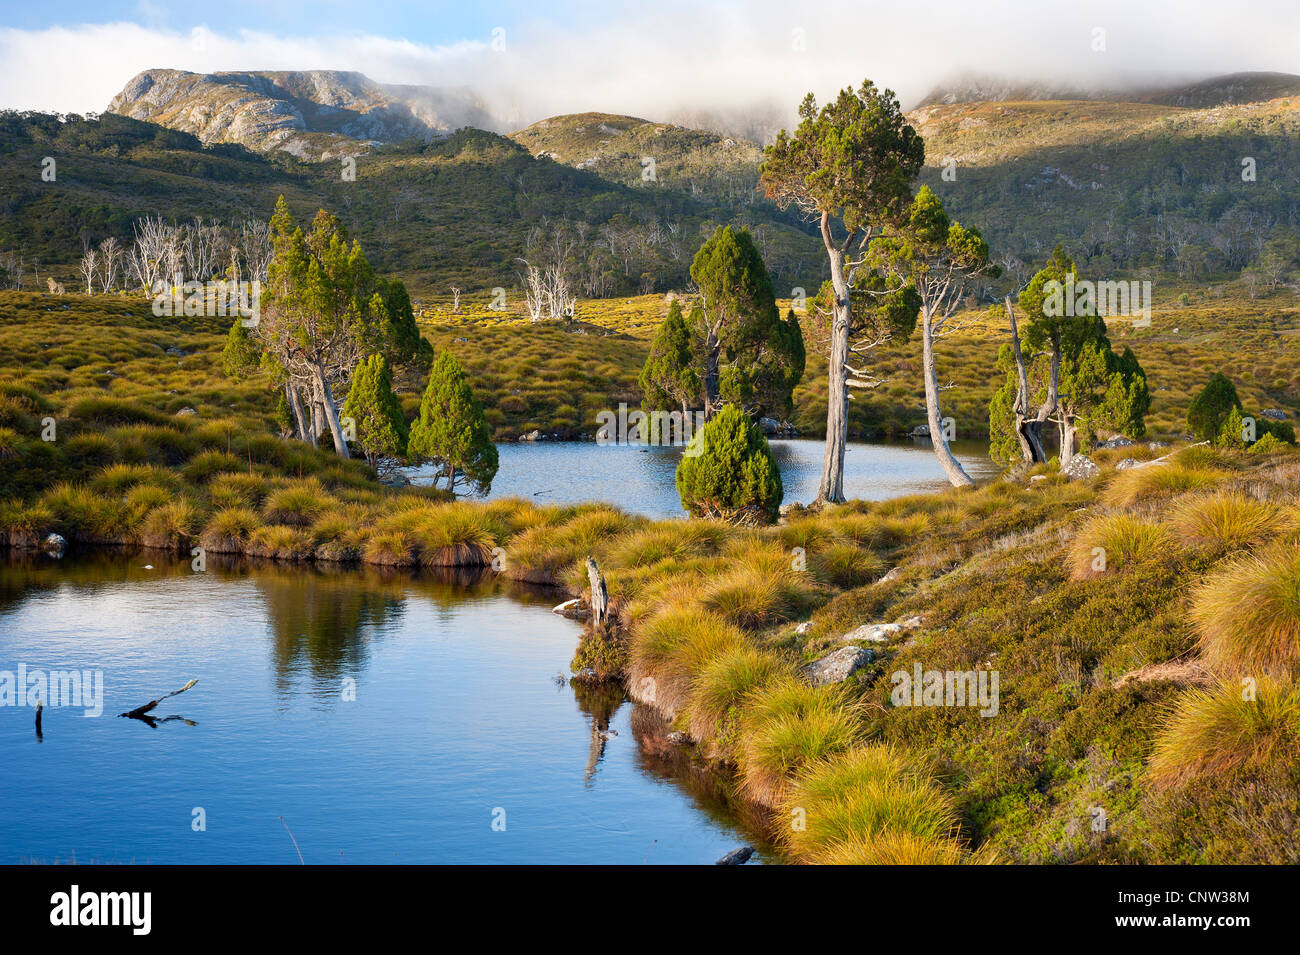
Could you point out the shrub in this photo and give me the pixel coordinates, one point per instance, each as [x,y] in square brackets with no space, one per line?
[728,472]
[1211,406]
[1268,444]
[1248,614]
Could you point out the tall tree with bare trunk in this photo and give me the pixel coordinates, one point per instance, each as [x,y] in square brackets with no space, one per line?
[939,258]
[849,165]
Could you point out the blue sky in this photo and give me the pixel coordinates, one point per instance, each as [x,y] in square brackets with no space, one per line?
[661,59]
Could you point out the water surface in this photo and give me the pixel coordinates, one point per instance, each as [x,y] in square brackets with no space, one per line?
[642,480]
[386,718]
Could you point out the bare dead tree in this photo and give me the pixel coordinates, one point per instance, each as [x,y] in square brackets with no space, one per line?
[110,259]
[87,269]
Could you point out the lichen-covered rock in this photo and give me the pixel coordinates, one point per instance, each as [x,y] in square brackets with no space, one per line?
[838,666]
[873,632]
[1081,468]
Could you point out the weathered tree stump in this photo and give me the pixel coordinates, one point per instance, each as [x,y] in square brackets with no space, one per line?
[599,594]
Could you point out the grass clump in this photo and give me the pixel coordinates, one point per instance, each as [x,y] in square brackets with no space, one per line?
[861,794]
[1158,480]
[1247,615]
[1112,541]
[789,726]
[1225,522]
[720,689]
[1226,730]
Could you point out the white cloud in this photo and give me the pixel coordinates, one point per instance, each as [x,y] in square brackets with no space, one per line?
[670,58]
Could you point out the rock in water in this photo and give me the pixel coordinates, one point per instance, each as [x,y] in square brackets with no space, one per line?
[838,666]
[54,545]
[736,856]
[1081,468]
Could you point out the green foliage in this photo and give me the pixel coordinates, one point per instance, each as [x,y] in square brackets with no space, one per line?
[728,471]
[1211,406]
[375,411]
[738,320]
[855,158]
[668,380]
[451,431]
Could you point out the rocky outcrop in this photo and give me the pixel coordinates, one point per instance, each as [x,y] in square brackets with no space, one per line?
[315,114]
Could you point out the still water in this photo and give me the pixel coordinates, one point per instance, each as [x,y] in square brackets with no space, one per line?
[643,480]
[385,718]
[360,716]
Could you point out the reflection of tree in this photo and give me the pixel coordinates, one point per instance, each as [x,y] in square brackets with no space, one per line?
[598,702]
[322,621]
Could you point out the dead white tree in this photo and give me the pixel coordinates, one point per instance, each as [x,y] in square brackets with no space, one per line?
[145,260]
[534,291]
[455,299]
[110,259]
[255,244]
[87,269]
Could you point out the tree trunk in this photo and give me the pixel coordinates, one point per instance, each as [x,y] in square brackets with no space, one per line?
[326,399]
[599,595]
[295,408]
[1066,427]
[1028,430]
[951,466]
[712,347]
[831,489]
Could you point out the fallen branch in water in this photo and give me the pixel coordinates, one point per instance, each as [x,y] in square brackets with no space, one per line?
[140,711]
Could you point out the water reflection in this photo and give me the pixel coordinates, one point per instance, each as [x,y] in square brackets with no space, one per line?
[457,711]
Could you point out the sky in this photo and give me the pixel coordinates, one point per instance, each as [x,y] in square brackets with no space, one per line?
[658,59]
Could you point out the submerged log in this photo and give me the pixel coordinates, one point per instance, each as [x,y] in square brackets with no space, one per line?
[140,711]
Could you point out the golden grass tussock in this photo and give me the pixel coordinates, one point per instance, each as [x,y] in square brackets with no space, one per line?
[1137,485]
[787,727]
[1226,522]
[1109,542]
[858,795]
[669,648]
[1247,614]
[1233,727]
[724,684]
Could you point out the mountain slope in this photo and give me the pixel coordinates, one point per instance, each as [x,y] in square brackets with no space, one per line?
[621,149]
[462,210]
[313,114]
